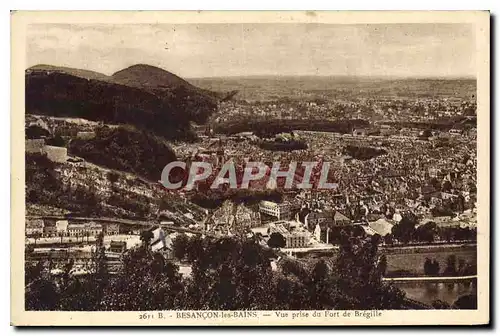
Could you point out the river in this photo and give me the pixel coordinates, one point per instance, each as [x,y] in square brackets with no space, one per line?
[429,292]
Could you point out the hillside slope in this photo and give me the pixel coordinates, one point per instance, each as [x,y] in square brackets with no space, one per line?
[124,98]
[159,80]
[125,149]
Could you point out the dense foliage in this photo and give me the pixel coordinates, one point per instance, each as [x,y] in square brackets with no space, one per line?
[441,124]
[266,128]
[227,273]
[44,187]
[363,153]
[167,113]
[214,198]
[283,146]
[36,132]
[125,149]
[407,231]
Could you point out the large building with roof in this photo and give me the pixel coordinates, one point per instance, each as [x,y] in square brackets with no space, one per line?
[381,226]
[277,210]
[293,233]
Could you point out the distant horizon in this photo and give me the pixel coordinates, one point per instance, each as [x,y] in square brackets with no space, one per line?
[381,77]
[386,77]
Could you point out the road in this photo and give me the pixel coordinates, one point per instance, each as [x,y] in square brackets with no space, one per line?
[445,279]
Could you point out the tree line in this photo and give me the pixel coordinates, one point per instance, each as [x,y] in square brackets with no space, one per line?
[228,273]
[268,128]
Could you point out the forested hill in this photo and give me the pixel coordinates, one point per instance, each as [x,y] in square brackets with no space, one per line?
[143,96]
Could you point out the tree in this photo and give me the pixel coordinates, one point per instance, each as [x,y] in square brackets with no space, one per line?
[276,240]
[435,267]
[36,236]
[180,246]
[36,132]
[100,239]
[33,271]
[427,266]
[113,177]
[404,231]
[438,304]
[427,133]
[318,285]
[446,186]
[426,232]
[41,294]
[382,264]
[360,277]
[376,239]
[389,239]
[451,266]
[468,301]
[146,237]
[228,273]
[56,141]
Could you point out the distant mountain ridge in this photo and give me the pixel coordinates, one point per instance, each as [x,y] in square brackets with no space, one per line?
[142,95]
[88,74]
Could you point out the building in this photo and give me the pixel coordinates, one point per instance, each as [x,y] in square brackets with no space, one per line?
[381,226]
[294,237]
[277,210]
[35,146]
[93,228]
[297,239]
[162,243]
[56,154]
[84,229]
[340,219]
[49,228]
[321,218]
[168,223]
[76,229]
[62,227]
[112,229]
[359,132]
[262,231]
[34,226]
[245,217]
[117,246]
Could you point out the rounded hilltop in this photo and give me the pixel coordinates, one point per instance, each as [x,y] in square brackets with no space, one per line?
[148,75]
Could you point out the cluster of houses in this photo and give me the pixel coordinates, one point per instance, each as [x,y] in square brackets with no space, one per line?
[58,154]
[308,226]
[65,228]
[53,153]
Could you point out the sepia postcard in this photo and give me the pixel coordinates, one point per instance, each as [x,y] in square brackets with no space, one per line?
[250,168]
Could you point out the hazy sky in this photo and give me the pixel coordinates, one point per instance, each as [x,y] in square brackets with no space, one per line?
[211,50]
